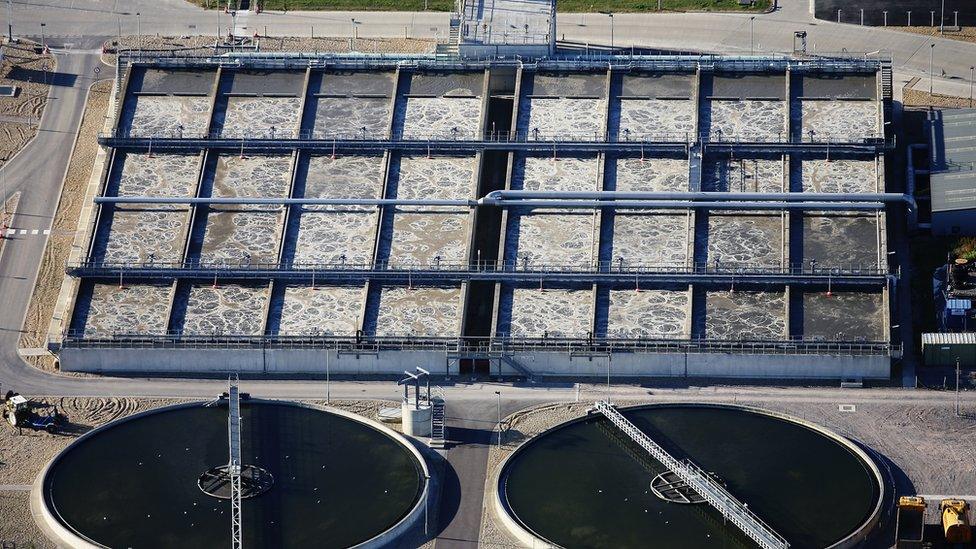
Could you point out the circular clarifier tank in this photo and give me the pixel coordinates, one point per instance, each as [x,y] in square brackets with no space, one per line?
[585,484]
[314,478]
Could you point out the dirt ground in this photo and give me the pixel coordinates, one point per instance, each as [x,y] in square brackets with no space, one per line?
[19,115]
[964,34]
[913,95]
[65,223]
[201,45]
[22,456]
[916,438]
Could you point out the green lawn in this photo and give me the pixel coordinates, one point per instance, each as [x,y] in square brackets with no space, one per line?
[448,5]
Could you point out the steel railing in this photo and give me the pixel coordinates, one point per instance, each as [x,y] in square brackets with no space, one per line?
[523,266]
[701,482]
[497,346]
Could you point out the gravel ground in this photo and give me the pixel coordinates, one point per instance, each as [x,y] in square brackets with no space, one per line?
[965,34]
[916,437]
[19,115]
[22,456]
[913,96]
[202,45]
[65,223]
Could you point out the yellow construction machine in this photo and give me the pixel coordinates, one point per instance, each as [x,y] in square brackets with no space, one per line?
[955,521]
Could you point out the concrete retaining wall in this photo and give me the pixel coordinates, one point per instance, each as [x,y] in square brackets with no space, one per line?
[317,361]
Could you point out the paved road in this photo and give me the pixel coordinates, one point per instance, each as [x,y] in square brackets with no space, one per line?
[734,33]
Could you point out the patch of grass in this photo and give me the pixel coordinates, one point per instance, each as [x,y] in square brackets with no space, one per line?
[588,6]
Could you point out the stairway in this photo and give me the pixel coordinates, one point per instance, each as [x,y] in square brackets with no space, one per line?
[887,94]
[438,430]
[453,39]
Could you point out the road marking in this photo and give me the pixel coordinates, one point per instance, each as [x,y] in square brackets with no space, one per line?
[47,231]
[34,231]
[11,232]
[23,231]
[846,408]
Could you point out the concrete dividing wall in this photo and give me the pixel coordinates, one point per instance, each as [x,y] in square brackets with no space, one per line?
[316,361]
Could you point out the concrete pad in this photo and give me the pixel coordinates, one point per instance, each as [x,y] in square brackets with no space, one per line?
[162,116]
[132,309]
[839,176]
[324,310]
[552,313]
[644,118]
[573,119]
[841,241]
[649,314]
[419,312]
[442,118]
[843,316]
[162,175]
[745,315]
[228,309]
[738,240]
[256,116]
[650,240]
[752,175]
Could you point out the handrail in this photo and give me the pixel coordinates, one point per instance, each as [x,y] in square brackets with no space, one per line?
[522,265]
[479,346]
[701,482]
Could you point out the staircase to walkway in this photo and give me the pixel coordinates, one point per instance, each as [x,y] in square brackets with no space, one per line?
[698,480]
[438,429]
[887,92]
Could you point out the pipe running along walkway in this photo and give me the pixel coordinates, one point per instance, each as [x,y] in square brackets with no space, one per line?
[718,497]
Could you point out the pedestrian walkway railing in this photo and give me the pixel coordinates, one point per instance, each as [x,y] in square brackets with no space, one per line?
[522,270]
[701,482]
[469,346]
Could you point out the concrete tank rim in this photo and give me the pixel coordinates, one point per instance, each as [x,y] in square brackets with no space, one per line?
[59,533]
[523,534]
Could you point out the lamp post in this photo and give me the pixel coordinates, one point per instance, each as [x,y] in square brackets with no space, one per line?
[328,380]
[957,386]
[610,15]
[931,66]
[972,74]
[10,22]
[498,408]
[139,29]
[43,43]
[752,35]
[942,19]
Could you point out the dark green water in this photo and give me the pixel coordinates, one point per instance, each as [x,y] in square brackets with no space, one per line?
[337,482]
[579,487]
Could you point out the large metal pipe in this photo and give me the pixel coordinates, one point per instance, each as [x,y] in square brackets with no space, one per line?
[701,195]
[655,204]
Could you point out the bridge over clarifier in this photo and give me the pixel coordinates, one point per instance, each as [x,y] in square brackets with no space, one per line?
[718,497]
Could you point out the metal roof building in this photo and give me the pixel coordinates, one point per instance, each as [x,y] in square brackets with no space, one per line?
[952,148]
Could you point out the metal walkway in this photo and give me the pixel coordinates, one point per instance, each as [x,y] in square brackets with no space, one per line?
[234,466]
[256,143]
[732,509]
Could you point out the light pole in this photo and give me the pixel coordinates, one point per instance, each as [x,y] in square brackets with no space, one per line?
[942,19]
[957,386]
[43,43]
[972,74]
[931,68]
[139,29]
[498,408]
[752,35]
[328,380]
[426,501]
[10,22]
